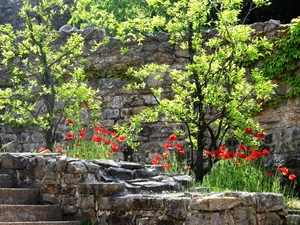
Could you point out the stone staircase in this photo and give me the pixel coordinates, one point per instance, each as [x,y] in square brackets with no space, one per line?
[293,217]
[21,206]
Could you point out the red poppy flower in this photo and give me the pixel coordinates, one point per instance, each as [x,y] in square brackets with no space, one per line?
[115,147]
[256,153]
[41,149]
[166,165]
[222,148]
[248,130]
[114,134]
[243,155]
[279,169]
[98,128]
[83,156]
[172,137]
[165,154]
[269,174]
[69,136]
[77,144]
[156,160]
[224,155]
[231,154]
[251,150]
[259,135]
[207,153]
[107,142]
[292,176]
[58,148]
[97,138]
[242,147]
[121,138]
[248,158]
[76,155]
[167,146]
[179,146]
[283,170]
[265,152]
[106,132]
[109,154]
[82,135]
[181,152]
[70,122]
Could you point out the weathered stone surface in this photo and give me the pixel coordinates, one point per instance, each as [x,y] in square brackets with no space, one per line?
[263,202]
[146,203]
[130,165]
[211,203]
[292,219]
[80,194]
[177,208]
[10,161]
[77,167]
[210,218]
[120,173]
[152,186]
[109,189]
[86,202]
[105,162]
[92,167]
[244,215]
[185,180]
[145,173]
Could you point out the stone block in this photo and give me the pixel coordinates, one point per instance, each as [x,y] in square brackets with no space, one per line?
[12,161]
[212,203]
[177,208]
[120,173]
[86,202]
[106,203]
[147,203]
[77,167]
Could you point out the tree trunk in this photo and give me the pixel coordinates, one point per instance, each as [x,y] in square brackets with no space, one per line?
[198,166]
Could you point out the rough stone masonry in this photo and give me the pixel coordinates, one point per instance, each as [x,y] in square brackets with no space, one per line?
[129,194]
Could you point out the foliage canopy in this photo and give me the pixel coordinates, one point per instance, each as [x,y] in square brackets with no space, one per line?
[216,77]
[48,83]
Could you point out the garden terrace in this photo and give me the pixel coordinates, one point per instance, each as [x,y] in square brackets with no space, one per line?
[129,193]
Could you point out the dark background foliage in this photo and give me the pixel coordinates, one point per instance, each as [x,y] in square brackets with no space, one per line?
[283,10]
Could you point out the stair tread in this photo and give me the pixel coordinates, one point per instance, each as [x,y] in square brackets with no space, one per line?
[20,206]
[19,196]
[18,213]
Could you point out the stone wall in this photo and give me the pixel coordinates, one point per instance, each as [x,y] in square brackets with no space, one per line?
[281,123]
[129,193]
[9,13]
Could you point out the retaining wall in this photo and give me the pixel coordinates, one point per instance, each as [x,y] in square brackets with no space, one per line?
[129,193]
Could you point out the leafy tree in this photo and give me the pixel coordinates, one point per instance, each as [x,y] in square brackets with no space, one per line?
[47,80]
[218,76]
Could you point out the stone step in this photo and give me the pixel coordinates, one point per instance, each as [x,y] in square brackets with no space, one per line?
[19,213]
[43,223]
[292,219]
[19,196]
[5,181]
